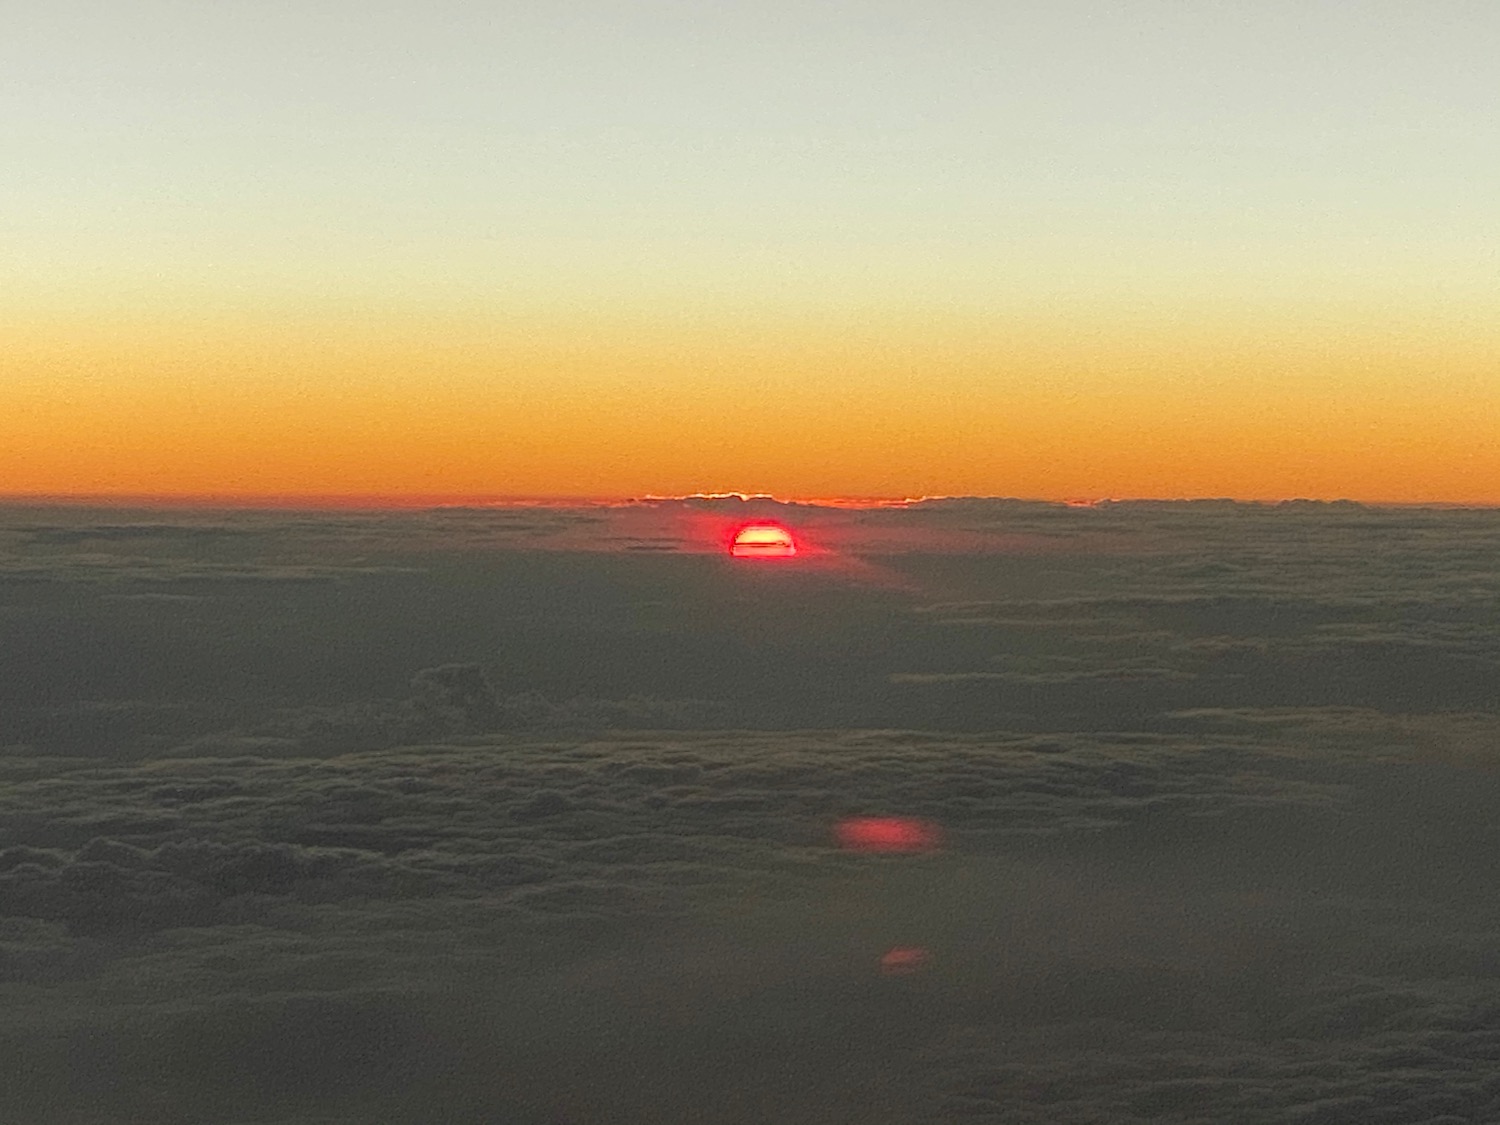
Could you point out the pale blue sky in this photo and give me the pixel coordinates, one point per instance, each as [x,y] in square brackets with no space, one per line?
[465,144]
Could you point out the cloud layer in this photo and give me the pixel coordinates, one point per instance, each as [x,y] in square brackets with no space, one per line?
[475,816]
[1124,926]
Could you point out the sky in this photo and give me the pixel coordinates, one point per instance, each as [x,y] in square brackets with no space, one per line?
[1048,250]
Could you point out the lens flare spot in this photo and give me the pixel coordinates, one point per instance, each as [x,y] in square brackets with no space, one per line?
[888,834]
[903,960]
[763,541]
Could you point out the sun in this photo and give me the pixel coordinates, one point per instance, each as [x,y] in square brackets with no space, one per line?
[763,541]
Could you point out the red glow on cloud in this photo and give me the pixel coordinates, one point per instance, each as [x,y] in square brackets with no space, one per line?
[903,960]
[888,834]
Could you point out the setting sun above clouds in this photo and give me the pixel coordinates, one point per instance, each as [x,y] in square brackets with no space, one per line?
[763,541]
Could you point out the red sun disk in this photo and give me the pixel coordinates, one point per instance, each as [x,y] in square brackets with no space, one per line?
[763,541]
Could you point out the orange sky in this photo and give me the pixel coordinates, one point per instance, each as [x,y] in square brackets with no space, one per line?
[603,250]
[381,403]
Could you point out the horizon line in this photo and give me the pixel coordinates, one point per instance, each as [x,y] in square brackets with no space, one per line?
[429,501]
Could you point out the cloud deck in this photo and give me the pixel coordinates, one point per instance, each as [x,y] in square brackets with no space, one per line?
[311,817]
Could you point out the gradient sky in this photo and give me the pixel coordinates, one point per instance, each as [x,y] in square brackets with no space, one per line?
[1044,249]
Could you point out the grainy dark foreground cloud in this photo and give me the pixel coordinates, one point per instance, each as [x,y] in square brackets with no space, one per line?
[487,816]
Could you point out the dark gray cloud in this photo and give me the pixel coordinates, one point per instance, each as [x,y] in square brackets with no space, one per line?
[1122,924]
[481,815]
